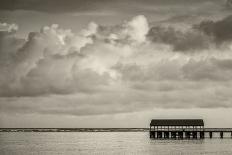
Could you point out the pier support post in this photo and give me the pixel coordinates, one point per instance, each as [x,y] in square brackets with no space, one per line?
[187,134]
[154,134]
[202,135]
[173,134]
[166,134]
[159,134]
[221,134]
[180,134]
[210,134]
[194,134]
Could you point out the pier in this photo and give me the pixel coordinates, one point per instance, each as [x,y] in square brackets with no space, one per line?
[184,129]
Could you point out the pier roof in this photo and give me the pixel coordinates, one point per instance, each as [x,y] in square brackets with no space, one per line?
[177,122]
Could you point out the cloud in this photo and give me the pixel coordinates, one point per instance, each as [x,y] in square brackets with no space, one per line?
[181,41]
[219,30]
[112,69]
[48,5]
[123,99]
[9,44]
[8,27]
[75,59]
[206,35]
[229,3]
[208,69]
[161,70]
[155,8]
[45,56]
[129,31]
[137,28]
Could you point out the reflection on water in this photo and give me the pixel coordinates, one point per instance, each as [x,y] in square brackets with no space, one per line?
[69,143]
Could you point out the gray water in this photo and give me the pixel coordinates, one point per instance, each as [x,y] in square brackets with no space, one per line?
[75,143]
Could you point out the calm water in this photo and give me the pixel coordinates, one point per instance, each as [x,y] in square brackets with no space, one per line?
[75,143]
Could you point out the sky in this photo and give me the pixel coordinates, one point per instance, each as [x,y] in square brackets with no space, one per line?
[105,63]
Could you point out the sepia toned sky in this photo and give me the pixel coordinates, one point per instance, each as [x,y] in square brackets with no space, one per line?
[104,63]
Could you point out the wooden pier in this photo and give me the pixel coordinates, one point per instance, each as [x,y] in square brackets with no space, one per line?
[185,129]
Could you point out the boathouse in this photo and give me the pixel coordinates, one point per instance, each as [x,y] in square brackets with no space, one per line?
[177,128]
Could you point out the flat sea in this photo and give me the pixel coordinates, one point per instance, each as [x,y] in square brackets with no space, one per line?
[106,143]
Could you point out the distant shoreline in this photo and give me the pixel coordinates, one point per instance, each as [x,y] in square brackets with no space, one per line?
[74,129]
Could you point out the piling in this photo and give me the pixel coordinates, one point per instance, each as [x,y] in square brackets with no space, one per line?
[202,135]
[194,133]
[173,134]
[210,134]
[180,135]
[221,134]
[166,134]
[159,134]
[187,135]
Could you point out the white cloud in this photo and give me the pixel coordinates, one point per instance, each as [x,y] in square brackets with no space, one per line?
[8,27]
[137,28]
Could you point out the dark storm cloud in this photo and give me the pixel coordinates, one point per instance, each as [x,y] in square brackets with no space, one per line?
[181,41]
[206,34]
[229,3]
[220,30]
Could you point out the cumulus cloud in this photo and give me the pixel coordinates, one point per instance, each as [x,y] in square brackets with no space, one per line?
[117,68]
[128,32]
[47,63]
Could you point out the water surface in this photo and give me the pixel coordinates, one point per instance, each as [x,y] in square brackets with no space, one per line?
[75,143]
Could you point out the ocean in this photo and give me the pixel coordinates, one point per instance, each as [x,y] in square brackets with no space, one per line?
[106,143]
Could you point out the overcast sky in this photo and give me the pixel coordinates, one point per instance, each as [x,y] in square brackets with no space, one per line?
[102,63]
